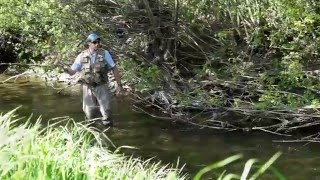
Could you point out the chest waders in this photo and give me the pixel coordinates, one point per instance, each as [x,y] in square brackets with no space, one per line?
[96,95]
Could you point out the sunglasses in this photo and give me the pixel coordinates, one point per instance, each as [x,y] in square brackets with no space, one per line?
[95,42]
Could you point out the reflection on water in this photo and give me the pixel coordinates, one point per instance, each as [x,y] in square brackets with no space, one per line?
[158,139]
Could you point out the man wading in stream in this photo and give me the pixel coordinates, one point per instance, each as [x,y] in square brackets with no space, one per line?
[93,64]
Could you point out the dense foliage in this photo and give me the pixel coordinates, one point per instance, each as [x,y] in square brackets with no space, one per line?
[45,28]
[257,58]
[265,46]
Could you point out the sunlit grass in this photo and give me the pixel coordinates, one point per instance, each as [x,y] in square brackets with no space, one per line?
[250,171]
[29,152]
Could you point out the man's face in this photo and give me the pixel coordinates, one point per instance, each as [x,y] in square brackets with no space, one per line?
[94,45]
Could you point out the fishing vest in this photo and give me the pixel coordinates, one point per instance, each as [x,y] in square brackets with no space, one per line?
[95,73]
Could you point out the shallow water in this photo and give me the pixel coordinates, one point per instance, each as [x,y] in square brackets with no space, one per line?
[164,141]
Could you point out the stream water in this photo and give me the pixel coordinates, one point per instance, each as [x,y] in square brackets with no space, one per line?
[165,141]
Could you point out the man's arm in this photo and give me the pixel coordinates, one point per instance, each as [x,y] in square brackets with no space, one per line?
[65,67]
[76,66]
[68,70]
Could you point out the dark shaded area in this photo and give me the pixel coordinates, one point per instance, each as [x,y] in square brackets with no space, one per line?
[14,49]
[8,52]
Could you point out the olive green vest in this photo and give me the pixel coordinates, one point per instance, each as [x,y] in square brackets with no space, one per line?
[96,73]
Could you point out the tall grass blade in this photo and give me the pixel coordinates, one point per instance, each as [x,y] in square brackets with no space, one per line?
[217,165]
[247,168]
[263,168]
[277,173]
[231,176]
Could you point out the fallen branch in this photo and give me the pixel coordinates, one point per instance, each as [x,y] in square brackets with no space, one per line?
[14,77]
[21,64]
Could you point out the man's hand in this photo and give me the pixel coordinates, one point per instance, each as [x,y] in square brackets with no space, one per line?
[65,67]
[119,91]
[57,63]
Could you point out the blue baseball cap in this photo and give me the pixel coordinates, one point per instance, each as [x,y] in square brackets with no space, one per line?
[93,37]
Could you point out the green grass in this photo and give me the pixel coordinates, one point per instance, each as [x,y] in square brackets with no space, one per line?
[56,152]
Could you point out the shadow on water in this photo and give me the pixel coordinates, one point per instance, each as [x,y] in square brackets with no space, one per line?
[163,141]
